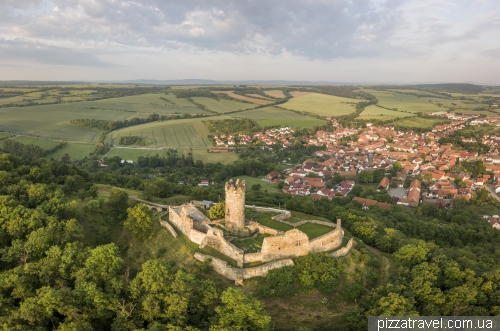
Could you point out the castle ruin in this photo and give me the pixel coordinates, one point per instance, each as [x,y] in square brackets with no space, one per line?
[280,246]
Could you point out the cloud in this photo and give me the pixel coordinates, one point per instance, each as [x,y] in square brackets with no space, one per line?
[16,50]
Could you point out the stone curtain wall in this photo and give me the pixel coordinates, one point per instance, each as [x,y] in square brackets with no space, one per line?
[235,205]
[344,250]
[169,228]
[215,239]
[291,244]
[327,242]
[181,222]
[238,274]
[284,214]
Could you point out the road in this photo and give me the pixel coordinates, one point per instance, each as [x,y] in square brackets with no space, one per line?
[492,192]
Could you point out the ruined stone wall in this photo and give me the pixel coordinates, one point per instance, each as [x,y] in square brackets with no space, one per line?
[169,228]
[254,226]
[181,222]
[215,239]
[327,242]
[292,243]
[344,250]
[229,272]
[252,257]
[196,236]
[283,214]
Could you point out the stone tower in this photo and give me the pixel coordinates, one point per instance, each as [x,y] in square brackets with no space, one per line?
[235,206]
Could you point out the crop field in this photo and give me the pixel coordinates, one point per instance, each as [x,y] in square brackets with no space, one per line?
[146,103]
[206,157]
[404,102]
[271,116]
[4,135]
[222,106]
[322,104]
[190,133]
[258,96]
[374,112]
[43,143]
[459,105]
[133,154]
[296,94]
[275,93]
[75,151]
[417,122]
[244,98]
[419,93]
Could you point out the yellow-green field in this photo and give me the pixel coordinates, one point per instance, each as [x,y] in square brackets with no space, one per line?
[74,150]
[378,113]
[222,105]
[187,133]
[322,104]
[404,102]
[417,122]
[43,143]
[271,116]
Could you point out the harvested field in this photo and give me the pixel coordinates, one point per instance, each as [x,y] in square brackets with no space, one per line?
[241,97]
[258,96]
[299,94]
[322,104]
[275,94]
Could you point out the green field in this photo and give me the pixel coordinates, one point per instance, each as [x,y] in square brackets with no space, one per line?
[4,135]
[417,122]
[206,157]
[271,187]
[251,245]
[314,230]
[378,113]
[273,116]
[322,104]
[188,133]
[265,219]
[222,105]
[132,154]
[74,150]
[43,143]
[405,102]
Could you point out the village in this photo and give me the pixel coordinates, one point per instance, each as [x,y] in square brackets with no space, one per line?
[416,166]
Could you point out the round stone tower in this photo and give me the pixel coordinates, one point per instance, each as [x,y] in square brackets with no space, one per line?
[235,206]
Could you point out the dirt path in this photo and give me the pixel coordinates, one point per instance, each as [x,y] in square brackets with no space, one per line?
[492,192]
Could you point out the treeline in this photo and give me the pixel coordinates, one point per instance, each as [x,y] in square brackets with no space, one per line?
[455,138]
[113,125]
[190,93]
[229,126]
[133,140]
[29,150]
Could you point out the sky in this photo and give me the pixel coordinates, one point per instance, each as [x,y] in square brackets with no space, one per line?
[384,41]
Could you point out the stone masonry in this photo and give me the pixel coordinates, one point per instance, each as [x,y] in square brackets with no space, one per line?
[235,206]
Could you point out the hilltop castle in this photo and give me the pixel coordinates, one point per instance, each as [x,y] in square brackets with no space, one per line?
[277,249]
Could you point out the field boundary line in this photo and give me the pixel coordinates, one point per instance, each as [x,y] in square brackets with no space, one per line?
[177,139]
[187,136]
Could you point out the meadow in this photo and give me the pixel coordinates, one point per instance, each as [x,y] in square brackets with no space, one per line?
[405,102]
[187,133]
[417,122]
[222,105]
[270,116]
[322,104]
[377,113]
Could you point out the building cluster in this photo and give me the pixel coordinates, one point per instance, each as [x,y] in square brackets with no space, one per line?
[282,136]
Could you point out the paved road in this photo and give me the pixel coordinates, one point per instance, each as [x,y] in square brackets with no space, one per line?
[492,192]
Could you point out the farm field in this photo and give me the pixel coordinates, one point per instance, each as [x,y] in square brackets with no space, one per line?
[222,105]
[258,96]
[133,154]
[270,116]
[189,133]
[322,104]
[244,98]
[275,93]
[299,93]
[52,121]
[377,113]
[404,102]
[271,187]
[4,135]
[417,122]
[75,151]
[43,143]
[206,157]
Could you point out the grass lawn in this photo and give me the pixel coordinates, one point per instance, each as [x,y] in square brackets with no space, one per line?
[251,245]
[270,187]
[265,219]
[314,230]
[322,104]
[297,217]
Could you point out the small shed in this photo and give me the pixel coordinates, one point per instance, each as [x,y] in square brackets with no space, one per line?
[207,204]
